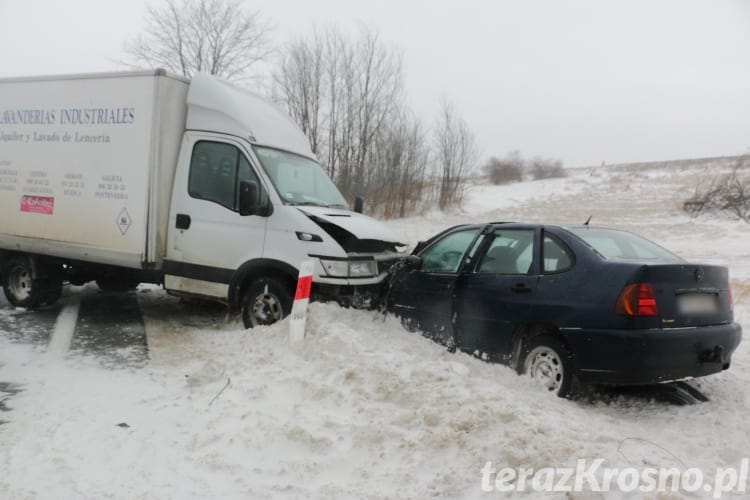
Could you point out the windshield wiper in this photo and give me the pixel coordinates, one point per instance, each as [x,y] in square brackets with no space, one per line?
[316,204]
[304,203]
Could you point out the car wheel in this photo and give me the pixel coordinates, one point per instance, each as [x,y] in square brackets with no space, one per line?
[19,285]
[547,361]
[266,301]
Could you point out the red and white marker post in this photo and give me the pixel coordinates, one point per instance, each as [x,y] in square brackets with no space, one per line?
[301,299]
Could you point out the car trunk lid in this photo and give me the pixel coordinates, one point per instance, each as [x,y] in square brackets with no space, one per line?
[689,294]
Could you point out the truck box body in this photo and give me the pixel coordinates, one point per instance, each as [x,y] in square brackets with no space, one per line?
[86,165]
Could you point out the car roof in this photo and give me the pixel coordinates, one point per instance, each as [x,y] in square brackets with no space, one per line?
[525,225]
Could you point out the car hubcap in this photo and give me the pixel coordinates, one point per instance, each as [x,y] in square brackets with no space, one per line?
[266,309]
[19,281]
[544,365]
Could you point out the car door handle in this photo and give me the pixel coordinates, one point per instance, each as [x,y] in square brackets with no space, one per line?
[183,221]
[520,288]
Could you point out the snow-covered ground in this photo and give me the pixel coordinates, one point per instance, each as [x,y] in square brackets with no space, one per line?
[364,409]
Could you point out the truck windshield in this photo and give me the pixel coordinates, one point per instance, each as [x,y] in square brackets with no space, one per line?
[299,180]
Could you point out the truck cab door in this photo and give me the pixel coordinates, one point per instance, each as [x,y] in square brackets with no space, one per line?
[208,239]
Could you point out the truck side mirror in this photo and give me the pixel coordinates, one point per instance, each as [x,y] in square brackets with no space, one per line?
[249,198]
[359,204]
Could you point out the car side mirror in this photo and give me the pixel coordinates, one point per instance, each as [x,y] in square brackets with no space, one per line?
[359,204]
[414,262]
[249,198]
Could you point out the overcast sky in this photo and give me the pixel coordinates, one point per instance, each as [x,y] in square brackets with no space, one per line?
[582,80]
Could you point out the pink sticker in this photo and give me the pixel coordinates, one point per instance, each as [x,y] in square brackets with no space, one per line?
[38,204]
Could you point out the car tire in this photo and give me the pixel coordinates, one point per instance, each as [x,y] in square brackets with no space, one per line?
[19,285]
[265,302]
[545,359]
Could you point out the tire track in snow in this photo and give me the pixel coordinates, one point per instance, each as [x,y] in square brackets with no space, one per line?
[62,335]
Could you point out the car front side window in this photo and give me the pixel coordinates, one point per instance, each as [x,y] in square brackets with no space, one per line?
[446,255]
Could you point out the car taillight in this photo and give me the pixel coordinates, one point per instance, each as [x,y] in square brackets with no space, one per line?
[637,299]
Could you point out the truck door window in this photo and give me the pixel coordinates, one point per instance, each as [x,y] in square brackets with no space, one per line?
[215,168]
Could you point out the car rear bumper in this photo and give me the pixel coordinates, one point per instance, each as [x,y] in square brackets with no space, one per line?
[635,357]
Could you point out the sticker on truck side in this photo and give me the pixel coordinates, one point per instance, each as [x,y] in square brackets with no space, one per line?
[124,221]
[38,204]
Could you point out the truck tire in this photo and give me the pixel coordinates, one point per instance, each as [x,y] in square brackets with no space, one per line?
[19,285]
[265,302]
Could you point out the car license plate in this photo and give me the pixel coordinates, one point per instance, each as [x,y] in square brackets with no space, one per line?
[694,304]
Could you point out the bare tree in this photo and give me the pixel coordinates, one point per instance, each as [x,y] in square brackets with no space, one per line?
[506,170]
[546,168]
[456,153]
[300,80]
[728,193]
[377,82]
[219,37]
[342,91]
[397,164]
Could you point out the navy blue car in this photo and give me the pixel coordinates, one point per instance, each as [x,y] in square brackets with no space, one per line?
[600,305]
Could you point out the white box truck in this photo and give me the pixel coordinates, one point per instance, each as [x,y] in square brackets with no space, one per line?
[196,185]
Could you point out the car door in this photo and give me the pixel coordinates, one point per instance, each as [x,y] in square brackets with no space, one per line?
[424,294]
[208,238]
[496,294]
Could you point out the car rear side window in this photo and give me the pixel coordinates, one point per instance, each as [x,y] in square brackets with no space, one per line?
[511,252]
[616,244]
[556,256]
[446,255]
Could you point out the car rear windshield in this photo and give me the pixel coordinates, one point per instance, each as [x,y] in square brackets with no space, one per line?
[615,244]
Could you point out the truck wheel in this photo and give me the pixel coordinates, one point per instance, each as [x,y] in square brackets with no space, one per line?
[19,286]
[266,301]
[546,360]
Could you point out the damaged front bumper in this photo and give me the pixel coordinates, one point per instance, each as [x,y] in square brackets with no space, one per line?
[358,280]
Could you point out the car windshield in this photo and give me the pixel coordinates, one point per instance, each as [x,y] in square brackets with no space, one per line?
[299,180]
[615,244]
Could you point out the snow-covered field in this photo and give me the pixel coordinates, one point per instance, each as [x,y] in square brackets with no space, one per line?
[364,409]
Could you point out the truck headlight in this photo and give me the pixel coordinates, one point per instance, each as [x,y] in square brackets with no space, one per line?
[338,268]
[350,269]
[362,268]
